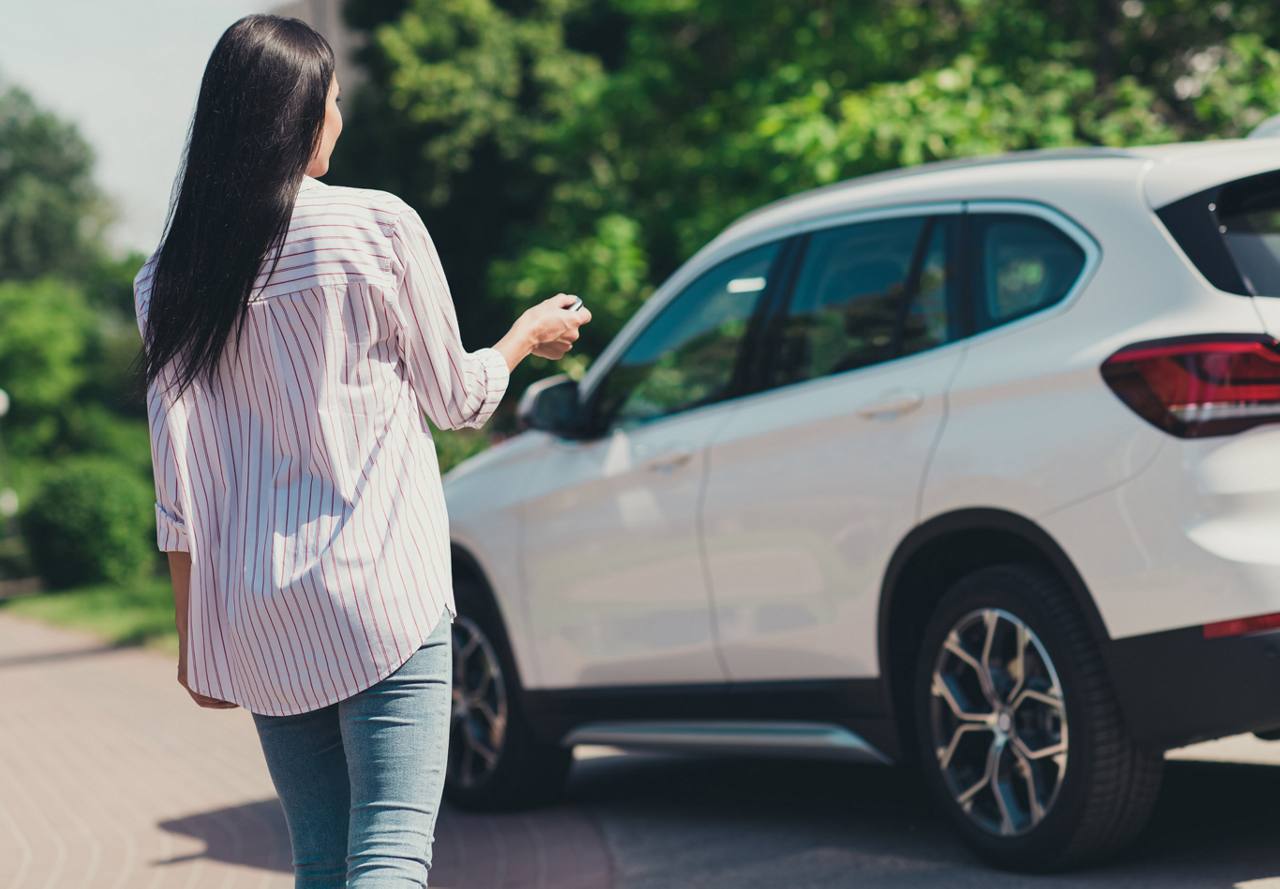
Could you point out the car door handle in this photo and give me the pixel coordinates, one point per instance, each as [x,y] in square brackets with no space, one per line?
[892,404]
[667,460]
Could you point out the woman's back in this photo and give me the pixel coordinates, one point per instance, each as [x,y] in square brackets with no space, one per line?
[298,496]
[305,485]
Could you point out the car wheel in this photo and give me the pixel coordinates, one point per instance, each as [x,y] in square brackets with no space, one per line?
[494,761]
[1020,735]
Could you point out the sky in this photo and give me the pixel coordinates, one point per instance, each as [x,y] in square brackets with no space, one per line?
[126,73]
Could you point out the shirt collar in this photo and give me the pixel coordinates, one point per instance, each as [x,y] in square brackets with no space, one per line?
[309,182]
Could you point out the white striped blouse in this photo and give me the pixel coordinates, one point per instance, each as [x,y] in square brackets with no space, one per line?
[307,490]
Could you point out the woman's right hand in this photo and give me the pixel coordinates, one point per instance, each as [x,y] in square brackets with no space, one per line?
[201,700]
[552,327]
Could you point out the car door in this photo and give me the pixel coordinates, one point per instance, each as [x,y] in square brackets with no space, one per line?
[616,589]
[815,479]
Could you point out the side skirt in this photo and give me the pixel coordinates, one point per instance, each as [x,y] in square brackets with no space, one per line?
[837,718]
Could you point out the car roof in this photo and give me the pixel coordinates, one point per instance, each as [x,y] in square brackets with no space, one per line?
[1168,172]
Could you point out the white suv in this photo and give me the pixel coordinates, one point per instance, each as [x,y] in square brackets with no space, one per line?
[974,465]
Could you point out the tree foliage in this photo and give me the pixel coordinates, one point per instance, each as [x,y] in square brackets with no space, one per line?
[67,339]
[593,145]
[45,338]
[51,213]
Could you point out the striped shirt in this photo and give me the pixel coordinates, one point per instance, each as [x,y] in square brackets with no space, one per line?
[307,489]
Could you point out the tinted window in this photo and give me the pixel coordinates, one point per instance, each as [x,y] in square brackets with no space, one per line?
[687,355]
[1232,233]
[866,293]
[1021,264]
[1249,216]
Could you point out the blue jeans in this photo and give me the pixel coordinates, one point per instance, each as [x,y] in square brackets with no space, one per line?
[360,780]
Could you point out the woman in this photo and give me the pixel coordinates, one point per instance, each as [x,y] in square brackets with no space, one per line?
[294,335]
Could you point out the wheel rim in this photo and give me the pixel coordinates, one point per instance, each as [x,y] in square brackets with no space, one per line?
[999,722]
[479,719]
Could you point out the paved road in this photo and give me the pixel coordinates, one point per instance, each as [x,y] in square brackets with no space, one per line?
[765,824]
[110,777]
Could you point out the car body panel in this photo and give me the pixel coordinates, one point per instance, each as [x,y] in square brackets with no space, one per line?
[1268,309]
[1193,539]
[612,568]
[485,495]
[1028,388]
[806,499]
[1180,170]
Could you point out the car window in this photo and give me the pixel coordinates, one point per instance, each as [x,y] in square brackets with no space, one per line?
[1249,221]
[1021,264]
[866,293]
[1231,232]
[686,356]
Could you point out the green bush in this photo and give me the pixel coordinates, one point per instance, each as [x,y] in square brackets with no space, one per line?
[95,430]
[90,520]
[14,561]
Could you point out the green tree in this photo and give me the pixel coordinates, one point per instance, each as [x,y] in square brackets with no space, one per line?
[593,145]
[460,94]
[52,215]
[45,338]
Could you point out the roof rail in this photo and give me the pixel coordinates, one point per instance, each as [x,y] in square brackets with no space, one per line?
[959,163]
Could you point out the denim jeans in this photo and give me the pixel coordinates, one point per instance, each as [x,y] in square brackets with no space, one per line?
[360,780]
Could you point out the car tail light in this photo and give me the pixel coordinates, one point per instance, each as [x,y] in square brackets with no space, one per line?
[1199,386]
[1241,626]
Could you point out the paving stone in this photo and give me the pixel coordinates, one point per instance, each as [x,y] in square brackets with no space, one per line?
[112,778]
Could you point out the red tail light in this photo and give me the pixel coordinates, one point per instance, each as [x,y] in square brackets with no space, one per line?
[1242,626]
[1199,386]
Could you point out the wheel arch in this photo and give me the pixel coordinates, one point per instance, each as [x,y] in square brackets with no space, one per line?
[932,557]
[466,564]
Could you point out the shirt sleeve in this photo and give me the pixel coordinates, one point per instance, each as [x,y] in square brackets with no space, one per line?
[456,388]
[171,525]
[166,466]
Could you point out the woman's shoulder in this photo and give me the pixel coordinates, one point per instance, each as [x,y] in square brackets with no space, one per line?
[370,206]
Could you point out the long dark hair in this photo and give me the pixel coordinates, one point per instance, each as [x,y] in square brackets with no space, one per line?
[257,123]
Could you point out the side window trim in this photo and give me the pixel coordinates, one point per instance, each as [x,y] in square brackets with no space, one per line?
[923,208]
[764,342]
[1054,217]
[754,360]
[960,267]
[911,287]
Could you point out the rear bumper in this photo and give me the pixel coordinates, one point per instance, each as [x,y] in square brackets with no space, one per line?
[1176,687]
[1190,540]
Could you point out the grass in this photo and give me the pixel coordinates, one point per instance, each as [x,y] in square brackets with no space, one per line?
[141,614]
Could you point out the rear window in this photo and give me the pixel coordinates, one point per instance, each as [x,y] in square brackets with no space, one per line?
[1249,221]
[1022,264]
[1232,233]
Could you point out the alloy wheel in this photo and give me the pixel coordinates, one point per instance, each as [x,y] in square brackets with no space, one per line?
[479,715]
[998,722]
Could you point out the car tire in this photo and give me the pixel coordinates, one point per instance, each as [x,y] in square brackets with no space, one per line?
[1071,786]
[519,770]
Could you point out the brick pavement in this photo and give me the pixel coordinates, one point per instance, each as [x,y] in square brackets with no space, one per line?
[110,777]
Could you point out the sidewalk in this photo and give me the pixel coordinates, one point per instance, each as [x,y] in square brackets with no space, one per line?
[111,777]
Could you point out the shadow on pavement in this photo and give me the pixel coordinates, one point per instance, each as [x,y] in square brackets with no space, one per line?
[658,821]
[752,822]
[552,847]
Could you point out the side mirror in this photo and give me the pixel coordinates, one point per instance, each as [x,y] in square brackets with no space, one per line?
[551,404]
